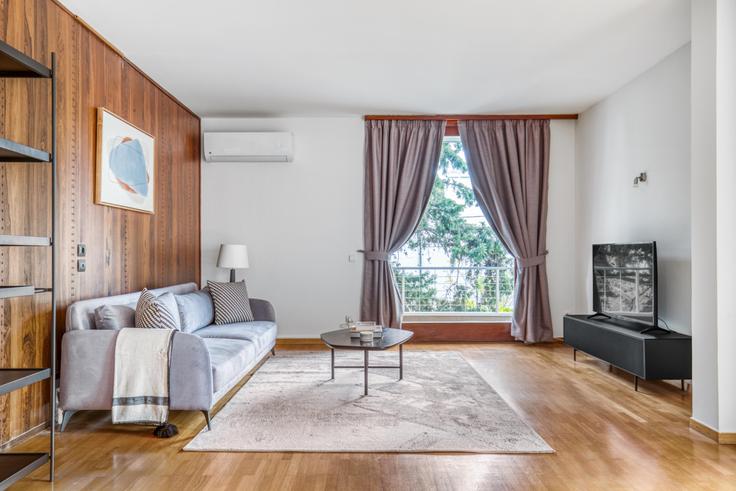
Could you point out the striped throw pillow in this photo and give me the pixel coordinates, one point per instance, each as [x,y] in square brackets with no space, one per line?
[154,312]
[231,302]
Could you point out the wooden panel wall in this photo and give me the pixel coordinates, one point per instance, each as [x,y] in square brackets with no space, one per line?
[126,250]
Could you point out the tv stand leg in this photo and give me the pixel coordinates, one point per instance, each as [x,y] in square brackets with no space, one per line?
[636,383]
[682,384]
[574,354]
[610,367]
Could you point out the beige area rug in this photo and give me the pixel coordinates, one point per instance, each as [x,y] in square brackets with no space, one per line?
[442,405]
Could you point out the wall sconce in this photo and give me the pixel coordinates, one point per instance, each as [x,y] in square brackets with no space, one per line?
[642,177]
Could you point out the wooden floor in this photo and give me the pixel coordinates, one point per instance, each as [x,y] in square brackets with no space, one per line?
[606,436]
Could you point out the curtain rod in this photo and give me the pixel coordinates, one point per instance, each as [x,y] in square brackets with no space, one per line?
[453,118]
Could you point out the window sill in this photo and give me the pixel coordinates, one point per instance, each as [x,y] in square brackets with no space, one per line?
[456,317]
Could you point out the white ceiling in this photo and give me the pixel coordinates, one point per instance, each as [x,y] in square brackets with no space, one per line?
[333,57]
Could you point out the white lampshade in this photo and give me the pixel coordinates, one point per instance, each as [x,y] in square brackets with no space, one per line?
[233,256]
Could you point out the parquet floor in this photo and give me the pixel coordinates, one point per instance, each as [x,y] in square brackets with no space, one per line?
[606,436]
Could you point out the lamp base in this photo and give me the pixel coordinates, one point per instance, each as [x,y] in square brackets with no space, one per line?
[232,276]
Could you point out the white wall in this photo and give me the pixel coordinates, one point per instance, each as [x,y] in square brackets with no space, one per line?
[703,203]
[644,126]
[561,222]
[301,220]
[714,213]
[726,212]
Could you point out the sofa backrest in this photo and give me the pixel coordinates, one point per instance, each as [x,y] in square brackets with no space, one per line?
[81,315]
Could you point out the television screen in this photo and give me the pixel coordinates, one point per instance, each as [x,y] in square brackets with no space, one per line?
[625,281]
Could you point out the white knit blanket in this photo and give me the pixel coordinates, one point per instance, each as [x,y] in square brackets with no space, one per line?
[141,387]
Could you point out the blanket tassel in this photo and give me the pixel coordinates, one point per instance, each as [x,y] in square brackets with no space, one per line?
[166,430]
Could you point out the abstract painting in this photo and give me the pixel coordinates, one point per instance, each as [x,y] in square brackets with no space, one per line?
[125,164]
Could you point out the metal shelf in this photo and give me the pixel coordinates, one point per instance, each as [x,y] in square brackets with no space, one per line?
[11,151]
[15,466]
[24,240]
[14,64]
[16,291]
[14,378]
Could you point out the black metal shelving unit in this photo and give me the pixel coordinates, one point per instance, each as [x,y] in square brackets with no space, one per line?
[14,466]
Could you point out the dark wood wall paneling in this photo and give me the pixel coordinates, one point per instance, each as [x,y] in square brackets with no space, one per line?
[126,250]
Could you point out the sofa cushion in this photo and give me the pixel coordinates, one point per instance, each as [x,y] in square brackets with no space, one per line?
[114,317]
[229,358]
[195,310]
[231,302]
[154,312]
[261,333]
[81,314]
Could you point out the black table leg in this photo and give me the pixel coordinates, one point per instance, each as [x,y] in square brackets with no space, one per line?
[401,362]
[332,363]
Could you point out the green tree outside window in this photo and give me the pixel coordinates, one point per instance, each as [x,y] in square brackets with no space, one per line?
[471,282]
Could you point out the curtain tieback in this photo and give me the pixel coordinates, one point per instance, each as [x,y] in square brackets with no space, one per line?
[376,255]
[529,262]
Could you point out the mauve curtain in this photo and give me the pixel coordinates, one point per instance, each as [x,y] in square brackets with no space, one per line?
[508,162]
[401,159]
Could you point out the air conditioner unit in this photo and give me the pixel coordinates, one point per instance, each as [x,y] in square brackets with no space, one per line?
[249,147]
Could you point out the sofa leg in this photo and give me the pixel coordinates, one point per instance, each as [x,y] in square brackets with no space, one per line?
[273,351]
[207,418]
[65,417]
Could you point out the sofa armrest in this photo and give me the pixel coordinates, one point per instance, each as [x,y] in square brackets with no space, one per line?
[88,371]
[190,374]
[262,310]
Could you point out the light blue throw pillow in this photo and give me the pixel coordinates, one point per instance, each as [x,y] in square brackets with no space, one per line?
[196,310]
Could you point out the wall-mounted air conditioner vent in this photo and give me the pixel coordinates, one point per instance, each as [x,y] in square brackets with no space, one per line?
[248,147]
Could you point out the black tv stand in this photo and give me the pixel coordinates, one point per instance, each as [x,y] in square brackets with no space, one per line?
[657,354]
[599,314]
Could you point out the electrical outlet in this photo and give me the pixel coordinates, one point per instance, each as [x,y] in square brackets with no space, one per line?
[81,265]
[81,250]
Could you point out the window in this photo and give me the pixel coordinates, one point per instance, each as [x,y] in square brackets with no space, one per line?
[454,262]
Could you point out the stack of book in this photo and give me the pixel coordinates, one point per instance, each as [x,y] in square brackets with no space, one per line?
[356,328]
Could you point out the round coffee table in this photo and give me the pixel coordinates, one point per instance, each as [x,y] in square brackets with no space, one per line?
[391,337]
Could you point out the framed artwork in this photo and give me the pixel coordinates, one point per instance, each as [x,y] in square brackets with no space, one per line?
[125,168]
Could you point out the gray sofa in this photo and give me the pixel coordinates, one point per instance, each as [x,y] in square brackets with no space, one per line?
[205,363]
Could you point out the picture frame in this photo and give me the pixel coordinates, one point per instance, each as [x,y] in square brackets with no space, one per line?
[125,168]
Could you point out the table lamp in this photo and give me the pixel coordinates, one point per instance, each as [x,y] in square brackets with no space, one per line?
[232,256]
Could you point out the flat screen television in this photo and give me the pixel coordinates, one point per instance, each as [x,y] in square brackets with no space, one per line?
[625,282]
